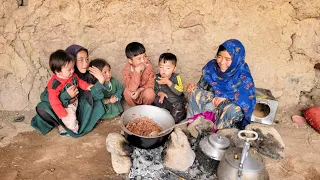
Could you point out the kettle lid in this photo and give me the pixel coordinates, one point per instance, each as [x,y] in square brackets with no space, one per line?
[218,141]
[253,162]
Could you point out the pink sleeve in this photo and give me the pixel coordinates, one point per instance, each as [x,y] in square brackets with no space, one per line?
[82,84]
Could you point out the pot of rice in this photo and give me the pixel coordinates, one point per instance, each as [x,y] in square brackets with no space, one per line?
[139,121]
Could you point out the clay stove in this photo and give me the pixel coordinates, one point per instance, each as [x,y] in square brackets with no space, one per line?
[266,107]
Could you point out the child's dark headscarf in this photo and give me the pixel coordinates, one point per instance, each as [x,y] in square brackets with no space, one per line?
[73,50]
[236,83]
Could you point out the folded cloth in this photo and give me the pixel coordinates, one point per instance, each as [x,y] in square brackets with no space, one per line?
[209,115]
[312,115]
[198,122]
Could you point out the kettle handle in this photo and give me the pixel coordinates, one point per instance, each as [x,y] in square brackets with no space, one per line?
[246,148]
[246,138]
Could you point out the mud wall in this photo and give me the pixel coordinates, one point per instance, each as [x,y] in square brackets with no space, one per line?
[282,39]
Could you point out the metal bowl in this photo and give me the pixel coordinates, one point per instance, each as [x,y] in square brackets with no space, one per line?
[159,115]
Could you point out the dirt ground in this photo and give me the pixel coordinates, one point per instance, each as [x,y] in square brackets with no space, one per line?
[26,154]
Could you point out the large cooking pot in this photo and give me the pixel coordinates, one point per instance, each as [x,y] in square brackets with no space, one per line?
[242,164]
[159,115]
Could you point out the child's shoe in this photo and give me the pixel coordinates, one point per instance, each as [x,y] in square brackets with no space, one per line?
[63,133]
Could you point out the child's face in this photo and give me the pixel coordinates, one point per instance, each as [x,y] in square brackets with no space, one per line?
[166,68]
[82,61]
[141,58]
[66,71]
[224,60]
[106,71]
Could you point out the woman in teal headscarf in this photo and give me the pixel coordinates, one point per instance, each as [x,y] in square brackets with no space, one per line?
[226,87]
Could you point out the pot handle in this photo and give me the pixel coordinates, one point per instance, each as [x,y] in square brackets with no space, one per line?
[246,138]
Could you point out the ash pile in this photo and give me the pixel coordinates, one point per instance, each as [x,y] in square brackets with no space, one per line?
[154,164]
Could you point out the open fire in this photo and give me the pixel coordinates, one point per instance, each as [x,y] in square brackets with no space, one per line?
[149,164]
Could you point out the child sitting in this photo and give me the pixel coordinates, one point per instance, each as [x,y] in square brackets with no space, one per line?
[169,89]
[62,65]
[113,89]
[138,76]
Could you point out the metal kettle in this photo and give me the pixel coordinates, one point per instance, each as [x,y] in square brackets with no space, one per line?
[242,164]
[214,146]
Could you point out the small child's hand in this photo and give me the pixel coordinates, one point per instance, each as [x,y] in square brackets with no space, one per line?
[97,74]
[140,67]
[217,100]
[191,87]
[164,81]
[135,95]
[162,95]
[106,101]
[72,91]
[89,88]
[113,99]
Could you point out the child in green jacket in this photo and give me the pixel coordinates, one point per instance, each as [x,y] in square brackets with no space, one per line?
[113,89]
